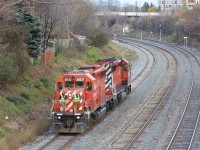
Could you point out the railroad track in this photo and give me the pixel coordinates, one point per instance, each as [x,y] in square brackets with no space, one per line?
[144,73]
[58,142]
[185,132]
[132,131]
[147,69]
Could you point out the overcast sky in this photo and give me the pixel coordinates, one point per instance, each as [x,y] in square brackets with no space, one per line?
[140,2]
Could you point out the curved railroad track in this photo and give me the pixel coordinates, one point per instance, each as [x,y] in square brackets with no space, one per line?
[186,129]
[185,132]
[130,133]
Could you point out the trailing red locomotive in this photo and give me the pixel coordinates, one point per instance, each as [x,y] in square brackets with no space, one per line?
[100,86]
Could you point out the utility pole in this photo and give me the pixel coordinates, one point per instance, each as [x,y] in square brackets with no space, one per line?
[164,5]
[136,8]
[185,41]
[141,32]
[160,32]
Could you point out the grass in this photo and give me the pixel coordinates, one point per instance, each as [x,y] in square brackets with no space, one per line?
[2,134]
[7,108]
[15,139]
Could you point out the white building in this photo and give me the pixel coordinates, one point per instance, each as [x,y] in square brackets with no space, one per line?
[169,5]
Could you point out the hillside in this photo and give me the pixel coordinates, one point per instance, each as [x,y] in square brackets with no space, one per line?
[25,105]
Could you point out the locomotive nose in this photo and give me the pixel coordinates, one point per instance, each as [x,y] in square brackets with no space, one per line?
[71,93]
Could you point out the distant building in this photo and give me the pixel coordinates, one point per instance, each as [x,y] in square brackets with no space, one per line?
[169,5]
[125,29]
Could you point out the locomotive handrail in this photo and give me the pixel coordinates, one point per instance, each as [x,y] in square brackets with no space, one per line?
[59,100]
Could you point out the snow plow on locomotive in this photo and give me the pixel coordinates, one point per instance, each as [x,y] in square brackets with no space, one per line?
[88,93]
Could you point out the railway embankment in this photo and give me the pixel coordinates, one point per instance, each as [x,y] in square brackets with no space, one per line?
[25,105]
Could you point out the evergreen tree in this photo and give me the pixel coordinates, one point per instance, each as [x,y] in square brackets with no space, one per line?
[151,5]
[159,8]
[145,7]
[34,36]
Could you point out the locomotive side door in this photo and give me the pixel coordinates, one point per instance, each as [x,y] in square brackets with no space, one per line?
[89,94]
[125,71]
[59,87]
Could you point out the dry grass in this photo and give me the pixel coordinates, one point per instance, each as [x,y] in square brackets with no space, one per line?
[15,139]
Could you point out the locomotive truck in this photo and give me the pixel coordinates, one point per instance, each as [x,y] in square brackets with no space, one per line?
[100,86]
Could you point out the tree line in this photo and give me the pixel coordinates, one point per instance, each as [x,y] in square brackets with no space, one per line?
[27,25]
[179,24]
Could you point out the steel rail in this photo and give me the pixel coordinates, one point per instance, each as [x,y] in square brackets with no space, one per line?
[49,142]
[123,131]
[185,109]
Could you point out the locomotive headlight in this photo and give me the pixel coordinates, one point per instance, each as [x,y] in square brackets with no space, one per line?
[59,117]
[78,117]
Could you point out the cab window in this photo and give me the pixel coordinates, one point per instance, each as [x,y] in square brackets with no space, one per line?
[89,86]
[79,84]
[69,84]
[59,86]
[124,67]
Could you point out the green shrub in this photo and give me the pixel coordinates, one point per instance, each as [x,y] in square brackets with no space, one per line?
[36,83]
[92,54]
[172,38]
[8,108]
[58,48]
[8,70]
[2,134]
[16,100]
[71,68]
[45,81]
[36,62]
[100,40]
[27,78]
[89,42]
[24,95]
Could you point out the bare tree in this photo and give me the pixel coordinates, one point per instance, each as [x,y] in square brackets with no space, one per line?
[192,22]
[6,4]
[113,5]
[48,14]
[129,8]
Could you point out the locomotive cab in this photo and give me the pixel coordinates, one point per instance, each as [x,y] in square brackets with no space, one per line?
[66,115]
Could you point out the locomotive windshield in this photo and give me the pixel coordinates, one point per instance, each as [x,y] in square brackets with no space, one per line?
[70,84]
[79,84]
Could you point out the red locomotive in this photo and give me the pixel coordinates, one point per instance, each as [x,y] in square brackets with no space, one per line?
[97,88]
